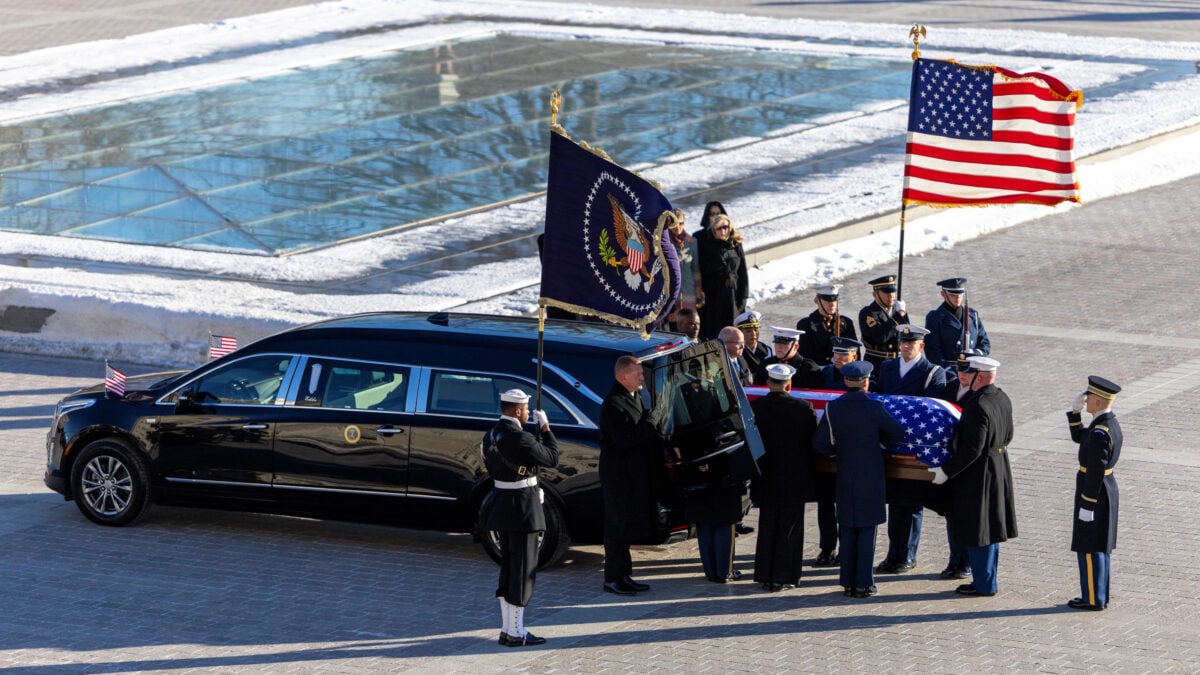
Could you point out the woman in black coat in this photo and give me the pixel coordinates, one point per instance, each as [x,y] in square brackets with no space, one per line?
[723,274]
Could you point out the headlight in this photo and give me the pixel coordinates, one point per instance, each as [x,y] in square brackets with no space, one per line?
[65,407]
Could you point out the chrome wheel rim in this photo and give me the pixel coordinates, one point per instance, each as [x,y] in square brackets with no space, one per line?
[107,485]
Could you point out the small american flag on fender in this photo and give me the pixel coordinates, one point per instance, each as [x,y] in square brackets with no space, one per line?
[220,345]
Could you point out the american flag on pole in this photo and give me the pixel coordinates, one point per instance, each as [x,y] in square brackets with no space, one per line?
[929,423]
[114,381]
[987,135]
[220,345]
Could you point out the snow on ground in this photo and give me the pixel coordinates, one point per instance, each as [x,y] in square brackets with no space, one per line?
[154,318]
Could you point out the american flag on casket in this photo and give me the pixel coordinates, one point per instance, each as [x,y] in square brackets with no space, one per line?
[928,423]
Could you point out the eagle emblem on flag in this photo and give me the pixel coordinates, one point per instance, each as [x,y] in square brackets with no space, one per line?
[631,238]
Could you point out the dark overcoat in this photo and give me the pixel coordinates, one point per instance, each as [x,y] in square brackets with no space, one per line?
[808,374]
[879,336]
[816,343]
[1095,484]
[506,448]
[859,431]
[944,342]
[980,475]
[786,426]
[630,446]
[725,280]
[923,379]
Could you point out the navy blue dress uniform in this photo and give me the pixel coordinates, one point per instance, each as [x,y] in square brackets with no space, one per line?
[785,482]
[630,445]
[945,324]
[878,325]
[921,379]
[818,329]
[808,373]
[981,481]
[853,430]
[958,566]
[714,510]
[1094,531]
[824,484]
[752,321]
[512,457]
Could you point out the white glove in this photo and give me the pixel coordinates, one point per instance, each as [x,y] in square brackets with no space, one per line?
[1080,400]
[900,306]
[1086,515]
[939,476]
[539,419]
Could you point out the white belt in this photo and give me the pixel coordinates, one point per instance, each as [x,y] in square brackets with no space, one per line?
[516,484]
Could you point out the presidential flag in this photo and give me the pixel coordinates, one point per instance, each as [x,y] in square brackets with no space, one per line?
[606,252]
[220,345]
[114,381]
[929,423]
[987,135]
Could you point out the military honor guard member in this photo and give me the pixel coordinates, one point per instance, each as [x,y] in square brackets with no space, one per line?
[854,430]
[879,320]
[756,351]
[630,444]
[825,322]
[946,335]
[909,374]
[958,391]
[1094,530]
[512,457]
[786,345]
[735,347]
[786,425]
[845,350]
[981,478]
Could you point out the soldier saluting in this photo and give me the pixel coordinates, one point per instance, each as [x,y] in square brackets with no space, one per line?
[1094,530]
[513,456]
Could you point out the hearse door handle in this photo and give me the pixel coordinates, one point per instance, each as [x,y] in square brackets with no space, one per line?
[389,431]
[254,427]
[727,436]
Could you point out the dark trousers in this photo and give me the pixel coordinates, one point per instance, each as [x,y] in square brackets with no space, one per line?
[518,566]
[858,555]
[904,532]
[827,523]
[779,552]
[1094,569]
[984,562]
[617,562]
[716,549]
[958,552]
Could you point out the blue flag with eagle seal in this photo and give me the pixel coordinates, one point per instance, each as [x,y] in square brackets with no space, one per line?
[607,252]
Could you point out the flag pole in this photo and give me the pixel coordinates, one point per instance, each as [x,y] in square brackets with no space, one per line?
[555,102]
[917,32]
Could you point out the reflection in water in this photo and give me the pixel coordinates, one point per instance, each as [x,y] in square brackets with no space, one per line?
[318,155]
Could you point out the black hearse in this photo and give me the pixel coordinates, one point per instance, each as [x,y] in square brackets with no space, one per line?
[379,417]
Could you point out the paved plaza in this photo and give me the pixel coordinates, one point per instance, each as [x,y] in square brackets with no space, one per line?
[1102,289]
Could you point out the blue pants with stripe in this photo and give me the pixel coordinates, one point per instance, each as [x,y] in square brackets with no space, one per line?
[1093,577]
[716,549]
[984,562]
[858,553]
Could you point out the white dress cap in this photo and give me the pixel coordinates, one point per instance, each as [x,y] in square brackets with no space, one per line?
[514,396]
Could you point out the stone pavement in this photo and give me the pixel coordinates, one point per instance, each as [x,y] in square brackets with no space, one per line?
[1072,294]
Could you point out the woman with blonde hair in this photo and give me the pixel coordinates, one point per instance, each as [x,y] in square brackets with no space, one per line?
[723,274]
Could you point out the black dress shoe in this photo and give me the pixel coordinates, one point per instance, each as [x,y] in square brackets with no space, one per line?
[717,580]
[1078,603]
[735,575]
[635,585]
[503,641]
[848,592]
[618,587]
[969,589]
[955,572]
[865,592]
[742,529]
[824,559]
[529,640]
[886,567]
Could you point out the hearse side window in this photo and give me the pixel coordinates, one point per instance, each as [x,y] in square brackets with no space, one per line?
[696,390]
[349,385]
[251,381]
[478,395]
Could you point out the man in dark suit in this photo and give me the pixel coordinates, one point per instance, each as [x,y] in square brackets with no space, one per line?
[630,444]
[785,344]
[982,487]
[512,457]
[910,374]
[879,320]
[735,344]
[825,322]
[958,391]
[947,339]
[854,430]
[1094,529]
[786,425]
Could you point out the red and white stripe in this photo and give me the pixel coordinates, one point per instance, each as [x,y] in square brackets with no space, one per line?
[220,345]
[1030,157]
[114,381]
